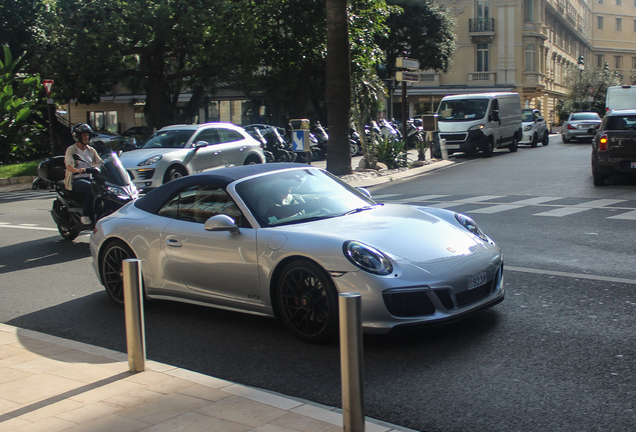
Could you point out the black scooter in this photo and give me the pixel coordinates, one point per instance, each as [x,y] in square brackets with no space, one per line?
[111,186]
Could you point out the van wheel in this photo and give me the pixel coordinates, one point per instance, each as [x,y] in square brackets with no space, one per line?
[488,148]
[514,146]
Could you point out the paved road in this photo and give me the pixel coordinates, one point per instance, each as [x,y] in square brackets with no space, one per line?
[558,354]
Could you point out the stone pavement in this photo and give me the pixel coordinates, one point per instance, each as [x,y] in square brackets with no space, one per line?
[50,384]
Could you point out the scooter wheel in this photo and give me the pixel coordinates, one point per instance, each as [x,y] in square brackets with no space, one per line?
[34,185]
[68,233]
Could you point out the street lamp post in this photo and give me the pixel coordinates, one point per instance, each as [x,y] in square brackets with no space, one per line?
[581,65]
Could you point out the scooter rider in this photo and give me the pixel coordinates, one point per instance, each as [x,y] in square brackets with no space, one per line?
[76,178]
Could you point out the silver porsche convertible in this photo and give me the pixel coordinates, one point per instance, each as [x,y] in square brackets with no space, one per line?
[283,240]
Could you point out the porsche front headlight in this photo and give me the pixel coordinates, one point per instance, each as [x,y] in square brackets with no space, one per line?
[470,225]
[367,258]
[150,161]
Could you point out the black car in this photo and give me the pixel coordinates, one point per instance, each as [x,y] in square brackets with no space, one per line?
[614,146]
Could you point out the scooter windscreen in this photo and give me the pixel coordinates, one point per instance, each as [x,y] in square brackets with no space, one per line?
[113,171]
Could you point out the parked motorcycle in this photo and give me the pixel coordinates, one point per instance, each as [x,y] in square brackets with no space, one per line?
[40,183]
[111,186]
[258,136]
[277,145]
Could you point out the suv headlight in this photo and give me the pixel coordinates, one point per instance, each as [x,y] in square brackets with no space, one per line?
[150,161]
[526,128]
[367,258]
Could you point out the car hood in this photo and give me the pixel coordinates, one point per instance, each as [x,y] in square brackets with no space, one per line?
[407,232]
[132,158]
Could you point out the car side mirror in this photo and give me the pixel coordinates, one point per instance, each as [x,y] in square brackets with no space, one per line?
[200,144]
[494,115]
[221,223]
[365,192]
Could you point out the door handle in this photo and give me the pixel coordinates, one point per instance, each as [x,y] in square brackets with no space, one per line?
[173,243]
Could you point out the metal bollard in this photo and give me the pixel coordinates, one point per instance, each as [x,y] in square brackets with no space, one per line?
[351,362]
[442,147]
[133,306]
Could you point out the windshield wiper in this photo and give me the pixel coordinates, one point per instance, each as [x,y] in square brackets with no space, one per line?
[360,209]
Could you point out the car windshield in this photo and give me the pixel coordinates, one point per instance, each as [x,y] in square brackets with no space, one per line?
[585,116]
[623,122]
[325,195]
[462,109]
[174,138]
[526,116]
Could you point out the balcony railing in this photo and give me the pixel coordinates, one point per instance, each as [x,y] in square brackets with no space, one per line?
[476,25]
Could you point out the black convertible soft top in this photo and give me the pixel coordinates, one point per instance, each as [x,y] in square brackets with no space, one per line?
[153,200]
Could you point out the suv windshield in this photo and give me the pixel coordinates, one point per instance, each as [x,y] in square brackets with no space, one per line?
[462,109]
[173,138]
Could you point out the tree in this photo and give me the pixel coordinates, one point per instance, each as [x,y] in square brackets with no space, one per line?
[422,30]
[338,87]
[579,84]
[158,47]
[19,103]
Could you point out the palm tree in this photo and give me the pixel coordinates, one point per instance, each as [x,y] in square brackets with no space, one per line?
[338,87]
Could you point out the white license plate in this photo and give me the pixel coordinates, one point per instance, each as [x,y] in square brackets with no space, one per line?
[477,281]
[453,146]
[633,165]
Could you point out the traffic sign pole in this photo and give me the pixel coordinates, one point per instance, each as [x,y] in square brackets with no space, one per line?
[48,86]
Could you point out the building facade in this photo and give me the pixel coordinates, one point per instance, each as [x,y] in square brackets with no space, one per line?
[528,47]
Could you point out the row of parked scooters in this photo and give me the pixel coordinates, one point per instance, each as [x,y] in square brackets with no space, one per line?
[276,141]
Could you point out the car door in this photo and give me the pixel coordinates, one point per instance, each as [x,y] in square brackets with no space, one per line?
[205,157]
[232,146]
[218,264]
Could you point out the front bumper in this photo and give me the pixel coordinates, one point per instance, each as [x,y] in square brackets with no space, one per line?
[409,301]
[466,142]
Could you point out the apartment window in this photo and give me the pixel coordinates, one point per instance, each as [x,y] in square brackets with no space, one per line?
[619,2]
[601,1]
[599,23]
[618,62]
[102,120]
[633,62]
[600,61]
[483,9]
[635,20]
[482,58]
[530,58]
[619,24]
[530,10]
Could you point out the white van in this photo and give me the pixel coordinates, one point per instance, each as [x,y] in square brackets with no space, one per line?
[620,97]
[481,121]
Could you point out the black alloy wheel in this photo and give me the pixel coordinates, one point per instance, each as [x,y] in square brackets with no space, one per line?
[307,301]
[112,269]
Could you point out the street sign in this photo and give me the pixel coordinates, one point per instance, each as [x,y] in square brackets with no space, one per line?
[407,63]
[48,85]
[407,76]
[591,90]
[299,140]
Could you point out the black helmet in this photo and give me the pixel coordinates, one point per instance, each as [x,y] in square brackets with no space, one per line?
[79,129]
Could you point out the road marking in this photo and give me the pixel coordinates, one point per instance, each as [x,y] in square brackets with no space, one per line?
[625,216]
[27,227]
[473,200]
[578,208]
[420,198]
[571,275]
[515,205]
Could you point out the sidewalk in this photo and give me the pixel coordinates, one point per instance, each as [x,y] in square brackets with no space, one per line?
[50,384]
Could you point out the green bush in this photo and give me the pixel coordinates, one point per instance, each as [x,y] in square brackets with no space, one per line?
[19,170]
[391,153]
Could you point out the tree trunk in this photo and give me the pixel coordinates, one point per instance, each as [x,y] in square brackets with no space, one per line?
[156,103]
[338,88]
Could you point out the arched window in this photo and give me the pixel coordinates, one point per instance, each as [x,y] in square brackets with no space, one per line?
[531,56]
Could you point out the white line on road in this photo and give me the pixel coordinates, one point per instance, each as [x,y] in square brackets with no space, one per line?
[6,225]
[572,275]
[577,208]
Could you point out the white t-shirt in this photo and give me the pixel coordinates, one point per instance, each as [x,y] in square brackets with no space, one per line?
[86,156]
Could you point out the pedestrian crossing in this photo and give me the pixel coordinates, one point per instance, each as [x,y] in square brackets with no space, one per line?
[491,204]
[24,195]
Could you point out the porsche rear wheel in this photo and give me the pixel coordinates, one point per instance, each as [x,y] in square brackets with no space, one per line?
[307,301]
[112,269]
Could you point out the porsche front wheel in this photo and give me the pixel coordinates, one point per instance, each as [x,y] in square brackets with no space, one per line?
[307,301]
[112,269]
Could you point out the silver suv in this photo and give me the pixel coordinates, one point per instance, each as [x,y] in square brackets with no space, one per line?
[534,128]
[179,150]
